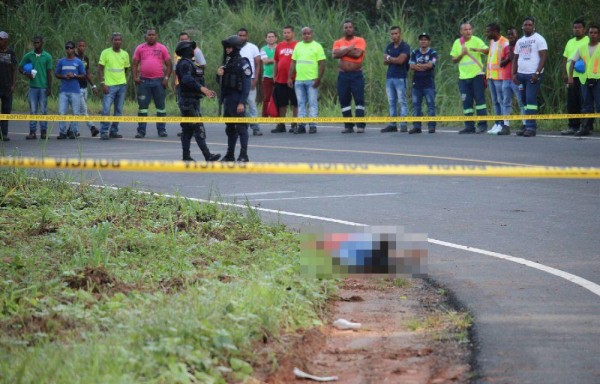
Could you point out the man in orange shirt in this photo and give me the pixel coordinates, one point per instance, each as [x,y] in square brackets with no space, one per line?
[350,50]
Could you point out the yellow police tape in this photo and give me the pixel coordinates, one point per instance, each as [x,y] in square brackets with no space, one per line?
[274,120]
[302,168]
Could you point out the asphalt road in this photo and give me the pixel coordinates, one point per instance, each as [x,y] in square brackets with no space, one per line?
[531,326]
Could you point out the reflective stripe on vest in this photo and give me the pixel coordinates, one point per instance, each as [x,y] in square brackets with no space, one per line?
[494,71]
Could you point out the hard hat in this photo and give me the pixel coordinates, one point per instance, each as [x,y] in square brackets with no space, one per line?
[580,66]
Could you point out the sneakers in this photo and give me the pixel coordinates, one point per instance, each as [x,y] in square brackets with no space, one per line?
[312,129]
[404,128]
[466,131]
[72,135]
[348,130]
[481,129]
[31,136]
[94,131]
[140,135]
[389,128]
[521,132]
[162,134]
[414,130]
[243,158]
[505,131]
[280,128]
[115,136]
[104,136]
[568,132]
[62,136]
[495,129]
[529,133]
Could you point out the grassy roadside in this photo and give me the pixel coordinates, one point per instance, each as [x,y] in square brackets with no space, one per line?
[101,285]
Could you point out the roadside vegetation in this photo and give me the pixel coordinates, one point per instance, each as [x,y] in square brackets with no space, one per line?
[99,285]
[209,21]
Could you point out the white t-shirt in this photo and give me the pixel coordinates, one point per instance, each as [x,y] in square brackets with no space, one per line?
[250,51]
[528,48]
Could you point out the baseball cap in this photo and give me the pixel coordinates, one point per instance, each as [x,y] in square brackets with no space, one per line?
[424,34]
[3,35]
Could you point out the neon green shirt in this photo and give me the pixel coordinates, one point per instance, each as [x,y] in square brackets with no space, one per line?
[467,68]
[114,64]
[572,46]
[307,57]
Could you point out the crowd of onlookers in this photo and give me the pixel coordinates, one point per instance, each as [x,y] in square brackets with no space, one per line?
[290,73]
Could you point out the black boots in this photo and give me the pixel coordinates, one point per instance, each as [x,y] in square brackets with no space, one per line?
[229,156]
[243,157]
[187,156]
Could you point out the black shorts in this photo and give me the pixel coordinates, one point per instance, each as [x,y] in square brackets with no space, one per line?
[284,95]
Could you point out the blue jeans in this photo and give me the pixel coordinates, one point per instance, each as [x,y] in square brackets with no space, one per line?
[251,110]
[473,90]
[530,94]
[151,89]
[64,100]
[306,93]
[396,93]
[496,93]
[116,96]
[591,100]
[349,85]
[6,98]
[510,90]
[83,110]
[38,105]
[417,99]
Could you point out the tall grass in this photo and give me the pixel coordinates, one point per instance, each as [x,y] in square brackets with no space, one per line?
[209,21]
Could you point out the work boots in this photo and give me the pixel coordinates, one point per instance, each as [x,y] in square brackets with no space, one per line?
[229,156]
[243,157]
[187,156]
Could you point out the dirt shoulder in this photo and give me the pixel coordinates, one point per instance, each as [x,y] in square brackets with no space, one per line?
[410,333]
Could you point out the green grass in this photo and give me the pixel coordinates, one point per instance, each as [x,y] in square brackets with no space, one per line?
[102,285]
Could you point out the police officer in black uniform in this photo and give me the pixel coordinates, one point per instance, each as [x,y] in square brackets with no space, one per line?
[191,89]
[235,78]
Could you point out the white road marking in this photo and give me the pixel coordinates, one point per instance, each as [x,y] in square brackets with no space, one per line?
[257,193]
[328,197]
[586,284]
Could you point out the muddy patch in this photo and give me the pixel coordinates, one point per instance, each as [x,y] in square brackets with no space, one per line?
[395,343]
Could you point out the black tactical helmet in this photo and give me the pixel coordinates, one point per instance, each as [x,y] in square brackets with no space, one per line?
[184,46]
[233,41]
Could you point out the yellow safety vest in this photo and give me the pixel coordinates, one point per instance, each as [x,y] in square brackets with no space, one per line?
[592,64]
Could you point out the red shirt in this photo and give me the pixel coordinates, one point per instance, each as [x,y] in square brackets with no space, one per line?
[283,60]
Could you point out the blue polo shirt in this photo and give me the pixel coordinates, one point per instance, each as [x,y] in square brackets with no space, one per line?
[423,79]
[398,71]
[65,66]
